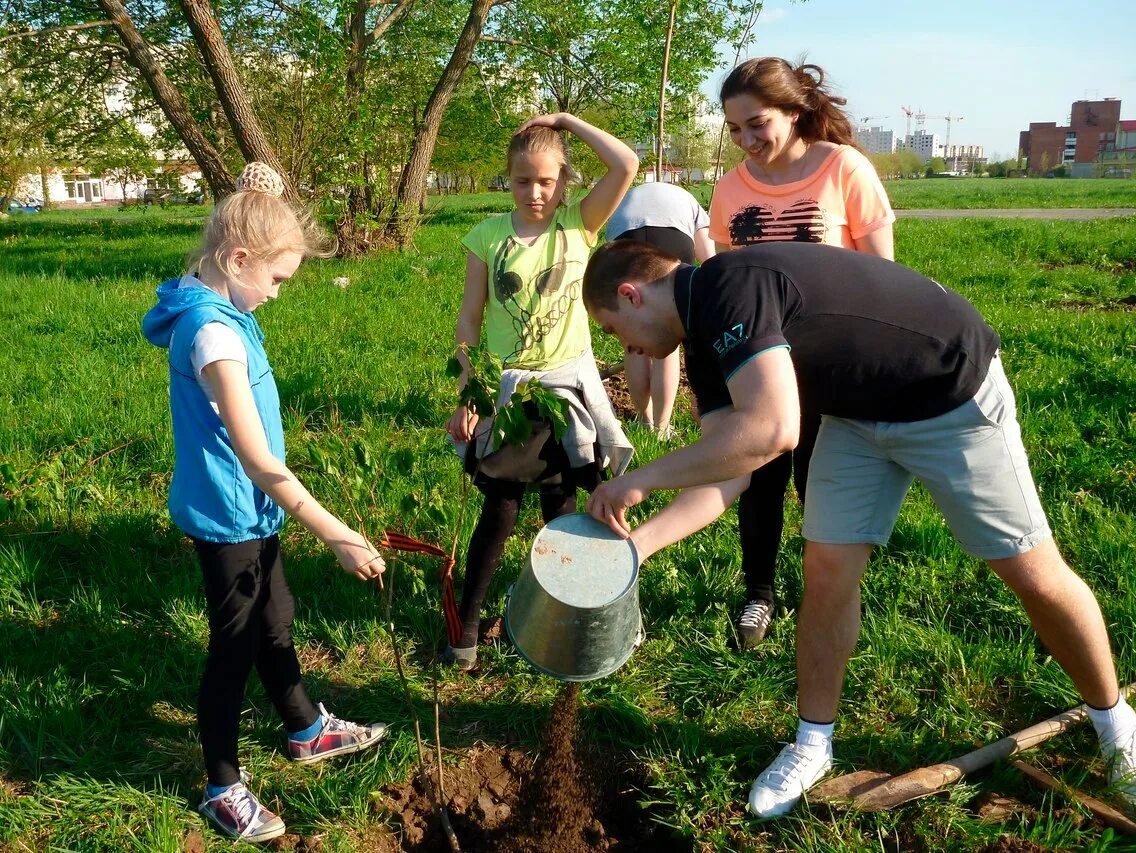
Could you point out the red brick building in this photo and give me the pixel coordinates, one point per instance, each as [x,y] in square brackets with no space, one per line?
[1092,129]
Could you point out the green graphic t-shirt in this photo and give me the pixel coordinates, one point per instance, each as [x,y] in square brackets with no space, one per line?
[535,317]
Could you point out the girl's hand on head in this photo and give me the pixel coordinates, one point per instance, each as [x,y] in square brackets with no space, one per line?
[358,556]
[462,424]
[553,120]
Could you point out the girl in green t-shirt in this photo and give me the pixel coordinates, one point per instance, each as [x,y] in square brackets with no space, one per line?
[522,280]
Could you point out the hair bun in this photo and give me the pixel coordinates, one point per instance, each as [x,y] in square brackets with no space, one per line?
[262,178]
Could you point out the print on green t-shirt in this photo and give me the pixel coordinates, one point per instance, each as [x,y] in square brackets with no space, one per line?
[535,317]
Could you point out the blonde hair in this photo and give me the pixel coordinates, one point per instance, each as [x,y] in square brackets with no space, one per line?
[256,218]
[535,139]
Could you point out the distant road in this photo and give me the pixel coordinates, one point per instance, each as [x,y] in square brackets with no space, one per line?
[1018,213]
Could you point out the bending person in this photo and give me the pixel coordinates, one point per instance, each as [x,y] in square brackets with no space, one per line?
[672,219]
[907,378]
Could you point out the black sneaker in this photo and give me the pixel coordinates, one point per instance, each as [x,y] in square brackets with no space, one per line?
[754,622]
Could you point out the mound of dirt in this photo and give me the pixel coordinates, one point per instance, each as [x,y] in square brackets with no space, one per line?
[567,802]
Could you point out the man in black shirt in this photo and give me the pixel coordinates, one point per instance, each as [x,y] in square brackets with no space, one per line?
[907,378]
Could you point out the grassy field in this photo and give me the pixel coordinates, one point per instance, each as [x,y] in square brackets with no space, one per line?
[101,614]
[972,193]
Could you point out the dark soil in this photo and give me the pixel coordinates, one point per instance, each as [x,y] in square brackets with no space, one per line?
[996,808]
[567,802]
[620,397]
[624,406]
[296,844]
[491,630]
[555,813]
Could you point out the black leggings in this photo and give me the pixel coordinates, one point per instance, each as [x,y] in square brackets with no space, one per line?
[761,510]
[250,612]
[498,519]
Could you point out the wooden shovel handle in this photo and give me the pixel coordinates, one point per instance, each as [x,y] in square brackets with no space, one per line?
[1102,811]
[928,780]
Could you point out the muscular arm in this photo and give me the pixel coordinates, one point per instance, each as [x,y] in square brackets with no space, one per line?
[692,510]
[763,422]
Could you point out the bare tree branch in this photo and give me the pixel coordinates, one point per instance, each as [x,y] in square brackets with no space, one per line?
[385,24]
[562,58]
[88,25]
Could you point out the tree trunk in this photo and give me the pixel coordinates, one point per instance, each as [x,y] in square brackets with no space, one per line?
[170,100]
[352,231]
[411,195]
[663,93]
[45,187]
[246,127]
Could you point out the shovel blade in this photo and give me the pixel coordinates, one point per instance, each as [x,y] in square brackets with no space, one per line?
[843,790]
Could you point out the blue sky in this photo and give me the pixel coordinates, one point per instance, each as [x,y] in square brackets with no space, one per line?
[1000,65]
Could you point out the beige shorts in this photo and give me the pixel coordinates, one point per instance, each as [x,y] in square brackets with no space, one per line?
[971,460]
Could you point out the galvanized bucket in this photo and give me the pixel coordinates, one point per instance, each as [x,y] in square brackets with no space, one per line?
[574,611]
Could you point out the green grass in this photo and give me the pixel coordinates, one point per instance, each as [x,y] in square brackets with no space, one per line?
[101,614]
[1010,192]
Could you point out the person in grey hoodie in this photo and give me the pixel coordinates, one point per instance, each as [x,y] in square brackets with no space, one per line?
[231,490]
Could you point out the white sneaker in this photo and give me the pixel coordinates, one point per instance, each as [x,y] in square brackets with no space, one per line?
[796,769]
[1121,758]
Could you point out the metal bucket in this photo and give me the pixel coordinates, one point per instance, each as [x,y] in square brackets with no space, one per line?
[574,611]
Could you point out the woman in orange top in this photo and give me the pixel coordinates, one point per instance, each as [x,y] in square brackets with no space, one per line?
[804,179]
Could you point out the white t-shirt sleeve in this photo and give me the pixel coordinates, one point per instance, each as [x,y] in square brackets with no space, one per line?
[701,217]
[216,342]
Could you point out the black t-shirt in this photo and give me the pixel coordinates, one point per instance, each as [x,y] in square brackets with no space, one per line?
[870,339]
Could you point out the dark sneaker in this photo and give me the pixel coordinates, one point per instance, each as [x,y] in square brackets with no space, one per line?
[754,622]
[336,737]
[238,814]
[464,658]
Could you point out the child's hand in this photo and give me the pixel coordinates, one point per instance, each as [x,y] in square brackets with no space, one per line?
[553,120]
[462,424]
[358,556]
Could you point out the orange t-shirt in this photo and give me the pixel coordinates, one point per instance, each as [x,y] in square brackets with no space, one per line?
[838,203]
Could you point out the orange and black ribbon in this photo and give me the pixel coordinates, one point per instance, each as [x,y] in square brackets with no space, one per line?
[399,542]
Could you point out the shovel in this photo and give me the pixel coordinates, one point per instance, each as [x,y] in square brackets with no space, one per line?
[874,790]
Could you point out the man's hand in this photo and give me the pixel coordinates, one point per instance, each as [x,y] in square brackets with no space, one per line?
[609,503]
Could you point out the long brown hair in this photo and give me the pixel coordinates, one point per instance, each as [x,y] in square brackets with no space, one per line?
[801,89]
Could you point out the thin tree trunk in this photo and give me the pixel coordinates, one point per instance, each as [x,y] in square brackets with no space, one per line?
[171,101]
[663,93]
[45,186]
[246,127]
[411,195]
[352,231]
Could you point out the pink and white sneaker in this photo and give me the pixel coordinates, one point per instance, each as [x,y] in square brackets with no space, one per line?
[335,737]
[238,814]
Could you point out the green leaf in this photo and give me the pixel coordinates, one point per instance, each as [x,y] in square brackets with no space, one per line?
[454,367]
[362,456]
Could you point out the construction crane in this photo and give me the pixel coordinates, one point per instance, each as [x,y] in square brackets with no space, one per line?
[949,119]
[907,111]
[865,119]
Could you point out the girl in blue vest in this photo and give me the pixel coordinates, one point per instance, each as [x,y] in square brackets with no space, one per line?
[231,489]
